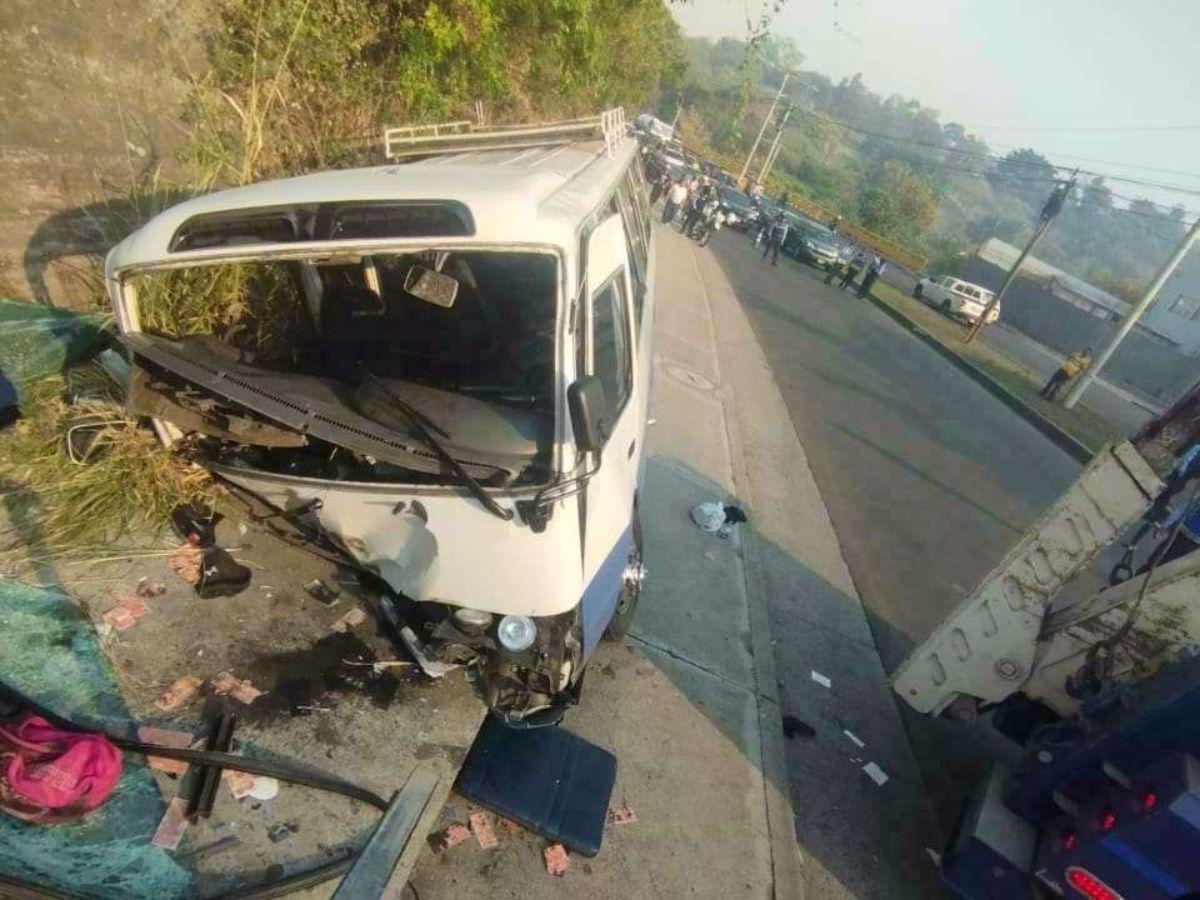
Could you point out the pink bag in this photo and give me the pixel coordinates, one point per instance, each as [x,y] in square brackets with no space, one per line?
[48,775]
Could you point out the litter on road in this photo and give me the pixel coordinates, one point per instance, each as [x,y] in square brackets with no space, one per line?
[855,739]
[149,734]
[622,815]
[449,837]
[557,860]
[822,680]
[793,727]
[172,825]
[182,691]
[875,773]
[717,518]
[349,619]
[228,684]
[481,825]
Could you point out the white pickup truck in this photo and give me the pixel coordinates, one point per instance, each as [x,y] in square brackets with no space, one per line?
[957,298]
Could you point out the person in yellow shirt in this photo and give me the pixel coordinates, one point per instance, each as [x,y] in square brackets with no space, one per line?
[1072,366]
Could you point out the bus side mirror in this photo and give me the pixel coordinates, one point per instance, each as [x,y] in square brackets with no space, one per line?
[589,413]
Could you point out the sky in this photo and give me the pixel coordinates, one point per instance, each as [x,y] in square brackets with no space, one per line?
[1110,80]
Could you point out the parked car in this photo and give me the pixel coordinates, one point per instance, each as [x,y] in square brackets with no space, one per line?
[458,392]
[957,298]
[738,208]
[813,243]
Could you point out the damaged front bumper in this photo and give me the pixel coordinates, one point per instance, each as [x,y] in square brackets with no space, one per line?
[528,676]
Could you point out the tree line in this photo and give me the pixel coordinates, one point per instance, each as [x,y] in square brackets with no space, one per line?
[891,164]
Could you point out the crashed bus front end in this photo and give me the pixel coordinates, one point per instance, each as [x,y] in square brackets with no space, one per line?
[412,414]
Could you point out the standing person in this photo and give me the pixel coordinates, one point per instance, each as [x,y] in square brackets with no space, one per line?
[852,269]
[775,237]
[659,186]
[676,197]
[876,269]
[696,209]
[1072,366]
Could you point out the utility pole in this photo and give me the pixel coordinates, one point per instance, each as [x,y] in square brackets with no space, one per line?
[678,110]
[1136,313]
[1053,207]
[763,130]
[774,151]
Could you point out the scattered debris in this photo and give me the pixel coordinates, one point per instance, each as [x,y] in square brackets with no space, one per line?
[241,784]
[854,737]
[348,620]
[182,691]
[135,606]
[266,788]
[119,618]
[509,827]
[323,593]
[166,737]
[195,523]
[172,825]
[212,849]
[228,684]
[150,589]
[718,518]
[793,728]
[822,680]
[379,666]
[186,564]
[934,856]
[221,575]
[481,826]
[450,837]
[282,831]
[556,860]
[622,815]
[876,774]
[431,667]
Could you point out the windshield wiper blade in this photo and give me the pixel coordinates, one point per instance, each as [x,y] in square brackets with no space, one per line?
[423,426]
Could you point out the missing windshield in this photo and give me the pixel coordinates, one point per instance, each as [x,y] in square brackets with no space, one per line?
[355,355]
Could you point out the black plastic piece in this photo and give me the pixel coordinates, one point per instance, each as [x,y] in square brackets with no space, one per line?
[548,779]
[196,524]
[221,575]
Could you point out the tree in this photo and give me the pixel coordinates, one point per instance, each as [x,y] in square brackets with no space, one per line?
[1027,174]
[899,203]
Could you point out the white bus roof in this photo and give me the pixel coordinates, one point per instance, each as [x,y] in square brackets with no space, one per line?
[534,195]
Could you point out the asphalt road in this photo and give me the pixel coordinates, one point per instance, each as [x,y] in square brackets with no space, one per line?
[928,478]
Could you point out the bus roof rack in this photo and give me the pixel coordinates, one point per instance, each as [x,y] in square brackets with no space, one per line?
[465,136]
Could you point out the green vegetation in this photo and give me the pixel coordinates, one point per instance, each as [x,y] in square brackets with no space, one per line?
[1080,422]
[129,481]
[889,163]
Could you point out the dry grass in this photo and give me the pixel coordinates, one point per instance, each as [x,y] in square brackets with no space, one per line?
[128,483]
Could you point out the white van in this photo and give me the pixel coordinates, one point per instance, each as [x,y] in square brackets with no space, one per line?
[461,403]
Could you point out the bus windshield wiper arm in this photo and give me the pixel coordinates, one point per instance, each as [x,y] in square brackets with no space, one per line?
[421,426]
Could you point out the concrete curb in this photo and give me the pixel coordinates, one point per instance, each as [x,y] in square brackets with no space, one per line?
[786,861]
[1062,439]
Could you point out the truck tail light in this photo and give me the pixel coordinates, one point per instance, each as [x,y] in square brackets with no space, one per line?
[1089,885]
[1149,800]
[1108,820]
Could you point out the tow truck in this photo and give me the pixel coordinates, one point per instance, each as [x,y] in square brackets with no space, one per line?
[1082,645]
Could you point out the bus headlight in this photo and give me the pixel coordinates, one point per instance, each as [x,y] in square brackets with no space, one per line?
[516,633]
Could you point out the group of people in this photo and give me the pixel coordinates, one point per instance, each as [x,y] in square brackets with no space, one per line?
[696,199]
[875,265]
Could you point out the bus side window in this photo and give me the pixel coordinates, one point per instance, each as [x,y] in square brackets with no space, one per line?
[636,240]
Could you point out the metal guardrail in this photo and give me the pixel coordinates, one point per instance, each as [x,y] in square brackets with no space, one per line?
[465,136]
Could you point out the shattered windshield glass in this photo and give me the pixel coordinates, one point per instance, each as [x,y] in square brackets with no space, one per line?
[464,338]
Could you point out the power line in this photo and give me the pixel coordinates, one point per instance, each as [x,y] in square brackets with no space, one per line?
[1090,128]
[1181,189]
